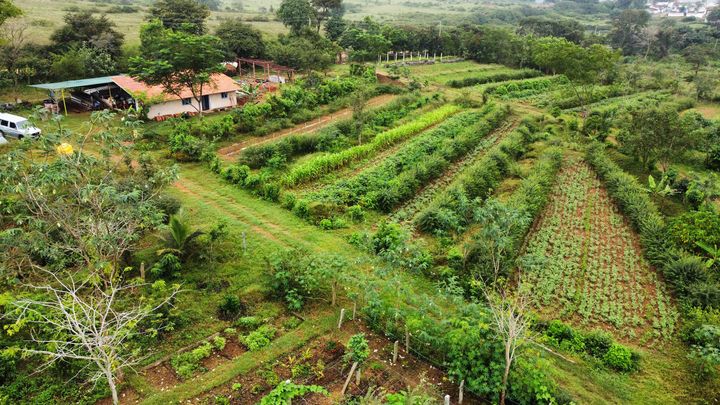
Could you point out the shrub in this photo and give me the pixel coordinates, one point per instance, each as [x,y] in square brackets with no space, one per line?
[597,343]
[230,307]
[259,338]
[168,265]
[185,364]
[219,342]
[620,358]
[358,349]
[235,174]
[168,205]
[249,322]
[696,226]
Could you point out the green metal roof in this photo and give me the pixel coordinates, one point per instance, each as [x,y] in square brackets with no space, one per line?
[70,84]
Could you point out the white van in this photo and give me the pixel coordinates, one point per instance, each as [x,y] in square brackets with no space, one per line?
[14,126]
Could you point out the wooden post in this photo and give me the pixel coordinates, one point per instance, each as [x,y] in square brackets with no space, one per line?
[347,380]
[395,56]
[407,340]
[244,243]
[62,94]
[357,376]
[460,394]
[253,70]
[142,271]
[395,351]
[447,399]
[354,309]
[342,315]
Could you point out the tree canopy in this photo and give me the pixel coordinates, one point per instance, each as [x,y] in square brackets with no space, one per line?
[240,39]
[186,15]
[83,29]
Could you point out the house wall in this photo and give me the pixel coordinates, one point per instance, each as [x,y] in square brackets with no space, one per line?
[176,107]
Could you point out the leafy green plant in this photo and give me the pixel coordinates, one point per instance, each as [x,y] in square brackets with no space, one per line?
[286,391]
[358,349]
[259,338]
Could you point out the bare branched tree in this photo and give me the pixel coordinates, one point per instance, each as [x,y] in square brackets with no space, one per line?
[87,325]
[509,313]
[15,36]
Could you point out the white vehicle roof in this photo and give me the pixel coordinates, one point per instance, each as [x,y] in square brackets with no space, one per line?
[11,117]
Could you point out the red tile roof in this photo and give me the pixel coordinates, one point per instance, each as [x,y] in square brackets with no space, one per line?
[220,83]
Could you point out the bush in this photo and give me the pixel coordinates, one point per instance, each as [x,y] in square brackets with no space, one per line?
[620,358]
[230,307]
[168,205]
[185,364]
[259,338]
[219,342]
[235,174]
[597,343]
[696,226]
[249,322]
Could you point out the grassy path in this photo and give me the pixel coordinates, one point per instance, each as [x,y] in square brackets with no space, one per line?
[231,151]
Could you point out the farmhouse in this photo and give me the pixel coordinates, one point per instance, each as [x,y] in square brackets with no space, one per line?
[220,93]
[123,91]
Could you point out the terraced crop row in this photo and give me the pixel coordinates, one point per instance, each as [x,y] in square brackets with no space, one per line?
[524,88]
[491,76]
[321,165]
[410,209]
[593,272]
[426,157]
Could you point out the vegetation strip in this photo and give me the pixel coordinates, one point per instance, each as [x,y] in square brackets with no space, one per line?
[324,164]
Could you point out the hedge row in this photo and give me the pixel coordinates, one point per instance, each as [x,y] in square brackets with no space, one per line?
[493,76]
[518,89]
[331,137]
[325,164]
[452,209]
[399,177]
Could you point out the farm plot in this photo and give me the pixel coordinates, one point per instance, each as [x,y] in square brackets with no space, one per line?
[426,157]
[593,272]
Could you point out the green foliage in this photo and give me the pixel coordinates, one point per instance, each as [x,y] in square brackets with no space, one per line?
[696,226]
[259,338]
[230,307]
[324,164]
[185,364]
[492,76]
[620,358]
[357,349]
[219,342]
[423,159]
[286,391]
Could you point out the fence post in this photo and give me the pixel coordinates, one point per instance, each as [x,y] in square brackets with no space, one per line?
[142,271]
[244,243]
[347,380]
[395,352]
[407,340]
[460,394]
[342,315]
[447,399]
[354,309]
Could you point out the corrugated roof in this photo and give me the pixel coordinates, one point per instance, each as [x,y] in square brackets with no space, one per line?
[220,83]
[70,84]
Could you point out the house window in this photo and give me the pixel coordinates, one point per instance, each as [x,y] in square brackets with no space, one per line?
[186,101]
[223,95]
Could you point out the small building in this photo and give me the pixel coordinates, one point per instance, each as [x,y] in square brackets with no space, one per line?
[219,94]
[123,91]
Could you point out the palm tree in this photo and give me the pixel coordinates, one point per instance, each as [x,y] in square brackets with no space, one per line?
[713,253]
[178,238]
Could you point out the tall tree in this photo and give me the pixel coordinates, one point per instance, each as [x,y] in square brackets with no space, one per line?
[296,14]
[8,10]
[13,53]
[324,9]
[177,60]
[309,51]
[627,31]
[83,29]
[185,15]
[240,40]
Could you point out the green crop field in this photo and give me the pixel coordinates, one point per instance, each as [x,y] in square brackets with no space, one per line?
[532,220]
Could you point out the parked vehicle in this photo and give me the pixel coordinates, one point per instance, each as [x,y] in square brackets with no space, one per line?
[14,126]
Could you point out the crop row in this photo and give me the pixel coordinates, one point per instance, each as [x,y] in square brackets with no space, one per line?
[451,210]
[517,89]
[566,98]
[339,135]
[592,268]
[325,164]
[491,76]
[426,157]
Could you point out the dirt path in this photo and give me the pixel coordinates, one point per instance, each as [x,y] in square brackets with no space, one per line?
[231,151]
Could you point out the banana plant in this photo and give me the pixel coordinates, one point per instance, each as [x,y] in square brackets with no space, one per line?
[713,253]
[662,188]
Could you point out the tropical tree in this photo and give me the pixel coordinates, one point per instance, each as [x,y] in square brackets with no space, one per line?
[495,240]
[627,30]
[178,61]
[178,237]
[83,29]
[324,9]
[297,14]
[240,40]
[182,15]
